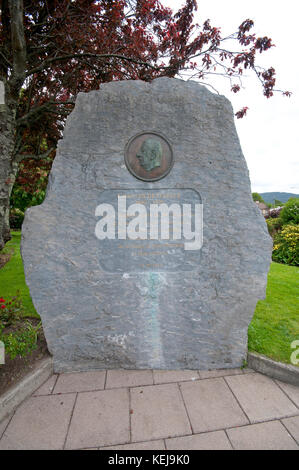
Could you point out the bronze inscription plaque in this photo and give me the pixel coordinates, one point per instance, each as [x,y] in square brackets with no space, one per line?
[148,156]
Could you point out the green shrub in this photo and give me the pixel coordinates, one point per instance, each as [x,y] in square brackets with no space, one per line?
[286,245]
[257,197]
[290,212]
[16,218]
[20,342]
[274,225]
[21,199]
[19,338]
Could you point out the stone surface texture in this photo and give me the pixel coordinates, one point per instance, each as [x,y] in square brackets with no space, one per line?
[182,320]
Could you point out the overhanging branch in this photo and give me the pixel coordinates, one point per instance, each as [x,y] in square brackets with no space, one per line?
[33,113]
[61,58]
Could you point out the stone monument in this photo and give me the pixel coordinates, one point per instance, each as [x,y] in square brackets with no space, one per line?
[148,251]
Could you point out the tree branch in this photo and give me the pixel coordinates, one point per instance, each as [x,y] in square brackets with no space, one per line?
[5,58]
[49,61]
[39,109]
[18,43]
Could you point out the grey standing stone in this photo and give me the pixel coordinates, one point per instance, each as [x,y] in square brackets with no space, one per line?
[194,319]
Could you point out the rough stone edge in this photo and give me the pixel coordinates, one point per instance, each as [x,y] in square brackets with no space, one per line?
[277,370]
[23,389]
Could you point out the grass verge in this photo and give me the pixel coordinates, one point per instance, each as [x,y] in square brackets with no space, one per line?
[12,277]
[275,324]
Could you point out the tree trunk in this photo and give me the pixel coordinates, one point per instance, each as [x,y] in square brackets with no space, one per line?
[8,169]
[13,19]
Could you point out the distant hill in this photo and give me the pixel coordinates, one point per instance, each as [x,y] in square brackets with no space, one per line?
[283,197]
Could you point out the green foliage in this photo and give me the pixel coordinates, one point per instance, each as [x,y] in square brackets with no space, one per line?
[20,339]
[20,342]
[29,189]
[290,212]
[11,310]
[275,323]
[275,204]
[278,203]
[274,225]
[16,218]
[283,227]
[286,245]
[21,199]
[257,197]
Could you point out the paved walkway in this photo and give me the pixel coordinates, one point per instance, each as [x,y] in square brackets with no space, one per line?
[156,410]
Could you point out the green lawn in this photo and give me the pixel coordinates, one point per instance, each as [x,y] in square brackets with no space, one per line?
[12,278]
[274,326]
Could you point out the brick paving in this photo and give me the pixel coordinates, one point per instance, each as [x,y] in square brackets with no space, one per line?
[156,410]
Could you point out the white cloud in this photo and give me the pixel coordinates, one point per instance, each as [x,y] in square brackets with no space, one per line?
[269,134]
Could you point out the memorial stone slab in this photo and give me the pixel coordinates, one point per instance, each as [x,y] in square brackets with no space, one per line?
[148,251]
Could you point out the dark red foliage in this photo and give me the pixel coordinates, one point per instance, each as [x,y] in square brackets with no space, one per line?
[74,46]
[241,113]
[274,213]
[235,88]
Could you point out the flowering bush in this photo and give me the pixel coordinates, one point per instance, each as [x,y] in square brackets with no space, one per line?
[19,336]
[11,310]
[286,245]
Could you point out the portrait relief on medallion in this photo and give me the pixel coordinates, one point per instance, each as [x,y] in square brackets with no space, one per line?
[148,156]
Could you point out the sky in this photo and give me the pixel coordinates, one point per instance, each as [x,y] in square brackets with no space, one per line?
[269,134]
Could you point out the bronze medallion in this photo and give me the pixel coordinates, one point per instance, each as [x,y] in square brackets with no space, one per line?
[148,156]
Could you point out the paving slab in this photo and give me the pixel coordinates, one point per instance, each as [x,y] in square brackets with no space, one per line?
[100,419]
[40,423]
[157,412]
[134,414]
[47,387]
[23,389]
[168,376]
[263,436]
[128,378]
[211,405]
[209,374]
[80,382]
[216,440]
[292,425]
[260,397]
[291,390]
[149,445]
